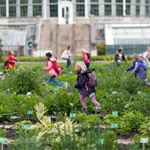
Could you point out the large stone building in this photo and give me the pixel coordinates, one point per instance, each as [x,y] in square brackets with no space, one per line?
[123,23]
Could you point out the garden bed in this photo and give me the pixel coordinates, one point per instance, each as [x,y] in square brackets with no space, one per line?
[124,98]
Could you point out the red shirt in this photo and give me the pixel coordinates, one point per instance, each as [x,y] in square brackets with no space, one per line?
[11,60]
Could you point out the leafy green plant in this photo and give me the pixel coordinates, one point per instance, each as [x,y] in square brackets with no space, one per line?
[66,128]
[18,127]
[145,128]
[3,132]
[24,81]
[26,143]
[130,121]
[44,127]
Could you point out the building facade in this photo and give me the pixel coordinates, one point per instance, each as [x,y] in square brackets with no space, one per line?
[55,24]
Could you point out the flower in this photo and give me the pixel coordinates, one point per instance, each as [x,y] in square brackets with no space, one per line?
[10,66]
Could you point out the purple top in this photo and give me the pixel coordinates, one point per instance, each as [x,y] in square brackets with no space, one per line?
[81,80]
[138,68]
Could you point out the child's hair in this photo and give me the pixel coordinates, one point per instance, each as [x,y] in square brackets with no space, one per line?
[82,66]
[10,52]
[136,56]
[68,47]
[120,50]
[49,55]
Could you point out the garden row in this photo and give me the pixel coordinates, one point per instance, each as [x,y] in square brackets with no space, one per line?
[126,101]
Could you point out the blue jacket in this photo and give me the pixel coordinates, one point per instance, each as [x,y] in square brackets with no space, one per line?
[138,68]
[81,80]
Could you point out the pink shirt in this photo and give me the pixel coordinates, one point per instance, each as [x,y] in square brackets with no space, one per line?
[85,57]
[69,54]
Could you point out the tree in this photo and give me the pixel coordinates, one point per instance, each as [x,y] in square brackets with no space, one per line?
[101,48]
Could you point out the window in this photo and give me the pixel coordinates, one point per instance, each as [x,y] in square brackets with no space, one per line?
[95,9]
[63,12]
[147,1]
[37,10]
[128,9]
[23,1]
[53,10]
[128,1]
[2,2]
[12,11]
[37,1]
[3,11]
[147,11]
[80,1]
[119,1]
[119,10]
[107,1]
[137,10]
[53,1]
[23,11]
[80,10]
[138,1]
[94,1]
[12,1]
[107,10]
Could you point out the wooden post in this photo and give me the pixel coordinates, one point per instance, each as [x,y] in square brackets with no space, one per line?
[32,55]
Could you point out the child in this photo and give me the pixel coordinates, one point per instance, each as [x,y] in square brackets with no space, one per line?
[51,63]
[85,89]
[69,57]
[119,56]
[137,68]
[86,58]
[146,56]
[143,62]
[11,59]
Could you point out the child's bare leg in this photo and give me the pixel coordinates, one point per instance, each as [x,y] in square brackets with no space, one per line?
[93,100]
[82,97]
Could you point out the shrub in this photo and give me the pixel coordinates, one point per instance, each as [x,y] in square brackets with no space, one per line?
[24,81]
[101,48]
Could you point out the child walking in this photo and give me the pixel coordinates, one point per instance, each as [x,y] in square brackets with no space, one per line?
[82,85]
[137,68]
[86,58]
[119,56]
[11,59]
[54,70]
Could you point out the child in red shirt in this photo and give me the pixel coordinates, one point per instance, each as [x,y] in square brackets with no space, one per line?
[11,59]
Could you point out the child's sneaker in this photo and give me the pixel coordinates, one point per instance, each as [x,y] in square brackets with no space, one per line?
[98,109]
[66,84]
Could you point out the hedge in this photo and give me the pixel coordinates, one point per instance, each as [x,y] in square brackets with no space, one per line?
[76,58]
[100,57]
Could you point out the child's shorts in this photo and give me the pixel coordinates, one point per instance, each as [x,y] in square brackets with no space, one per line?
[90,95]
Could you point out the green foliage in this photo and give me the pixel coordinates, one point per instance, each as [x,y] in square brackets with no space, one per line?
[18,127]
[88,140]
[145,128]
[100,57]
[44,127]
[26,143]
[130,121]
[1,52]
[24,81]
[101,48]
[3,133]
[87,120]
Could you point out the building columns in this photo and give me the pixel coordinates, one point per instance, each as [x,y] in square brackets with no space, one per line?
[124,7]
[7,8]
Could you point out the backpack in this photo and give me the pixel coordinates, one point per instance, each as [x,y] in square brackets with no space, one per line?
[92,80]
[5,63]
[56,67]
[64,55]
[88,55]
